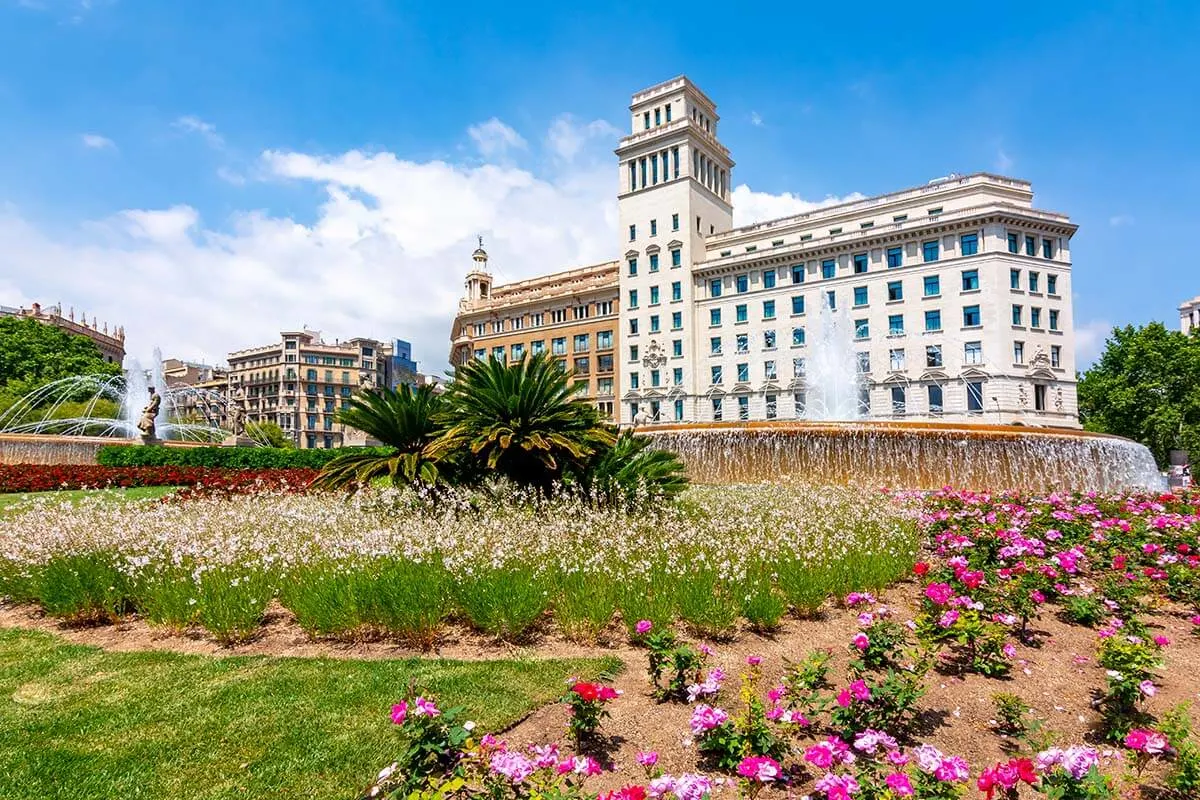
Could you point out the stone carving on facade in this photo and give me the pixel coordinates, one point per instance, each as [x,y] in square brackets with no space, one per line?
[655,357]
[366,380]
[1058,400]
[1022,396]
[1040,359]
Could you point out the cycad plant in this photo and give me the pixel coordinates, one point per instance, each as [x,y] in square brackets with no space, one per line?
[632,473]
[405,419]
[521,421]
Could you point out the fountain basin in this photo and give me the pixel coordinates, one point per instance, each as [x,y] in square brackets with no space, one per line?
[910,455]
[39,448]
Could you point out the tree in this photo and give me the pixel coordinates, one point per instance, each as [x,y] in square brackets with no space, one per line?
[33,353]
[631,472]
[522,420]
[268,434]
[1146,386]
[404,419]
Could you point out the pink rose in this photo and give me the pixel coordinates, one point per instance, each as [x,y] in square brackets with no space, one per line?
[399,712]
[643,627]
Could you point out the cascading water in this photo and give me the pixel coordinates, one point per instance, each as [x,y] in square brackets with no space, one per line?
[831,369]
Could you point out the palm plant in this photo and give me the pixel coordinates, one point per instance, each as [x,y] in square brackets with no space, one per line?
[404,419]
[521,420]
[631,472]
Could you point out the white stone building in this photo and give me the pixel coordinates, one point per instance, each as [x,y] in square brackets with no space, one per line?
[959,291]
[1189,315]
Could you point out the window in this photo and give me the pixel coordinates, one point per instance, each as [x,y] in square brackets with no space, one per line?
[635,380]
[772,406]
[896,359]
[742,283]
[896,325]
[828,268]
[933,355]
[969,243]
[1030,246]
[633,298]
[860,295]
[1018,352]
[970,280]
[653,295]
[1014,279]
[860,263]
[929,251]
[743,373]
[799,368]
[1017,312]
[743,342]
[864,400]
[975,397]
[498,326]
[895,290]
[895,257]
[743,408]
[863,361]
[1052,284]
[973,353]
[714,288]
[717,409]
[580,344]
[935,399]
[539,346]
[633,327]
[933,320]
[558,346]
[582,366]
[655,378]
[1039,395]
[831,300]
[676,320]
[834,231]
[768,309]
[676,258]
[862,329]
[933,286]
[799,404]
[1035,317]
[971,317]
[480,355]
[714,316]
[769,371]
[654,323]
[768,279]
[517,352]
[798,304]
[633,266]
[498,353]
[654,262]
[519,322]
[1055,356]
[1053,319]
[797,337]
[1033,281]
[677,376]
[604,363]
[674,222]
[1013,243]
[654,227]
[1047,252]
[898,404]
[633,232]
[604,340]
[797,273]
[739,312]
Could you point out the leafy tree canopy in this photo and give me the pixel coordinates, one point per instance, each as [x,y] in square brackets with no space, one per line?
[33,354]
[268,434]
[1146,386]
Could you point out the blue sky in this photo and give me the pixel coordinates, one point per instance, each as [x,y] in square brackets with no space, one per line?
[329,163]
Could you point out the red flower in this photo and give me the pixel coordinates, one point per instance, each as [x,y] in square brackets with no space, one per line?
[588,692]
[920,569]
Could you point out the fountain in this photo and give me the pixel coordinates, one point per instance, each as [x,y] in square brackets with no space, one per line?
[831,371]
[32,433]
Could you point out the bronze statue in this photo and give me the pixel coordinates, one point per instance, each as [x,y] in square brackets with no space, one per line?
[146,425]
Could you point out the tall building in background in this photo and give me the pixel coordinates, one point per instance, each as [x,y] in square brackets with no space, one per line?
[571,315]
[955,295]
[1189,315]
[300,382]
[110,343]
[403,369]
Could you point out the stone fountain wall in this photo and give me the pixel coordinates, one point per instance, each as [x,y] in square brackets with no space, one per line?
[44,449]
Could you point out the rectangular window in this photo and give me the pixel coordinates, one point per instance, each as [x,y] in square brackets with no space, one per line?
[970,280]
[768,279]
[768,309]
[1014,279]
[899,406]
[797,337]
[741,283]
[675,220]
[896,325]
[714,288]
[969,242]
[1035,317]
[677,376]
[1018,352]
[1013,243]
[633,266]
[768,340]
[740,314]
[971,317]
[973,353]
[539,346]
[1055,356]
[1047,248]
[676,320]
[714,316]
[860,295]
[714,345]
[1052,285]
[604,340]
[933,320]
[558,346]
[799,369]
[1017,315]
[895,290]
[772,406]
[864,400]
[742,341]
[717,407]
[676,257]
[580,344]
[633,327]
[896,359]
[517,352]
[1033,281]
[933,286]
[895,257]
[929,251]
[933,355]
[498,353]
[798,304]
[863,362]
[655,378]
[1030,246]
[769,371]
[653,295]
[676,291]
[935,399]
[582,366]
[635,380]
[654,227]
[860,263]
[831,300]
[862,329]
[828,268]
[654,323]
[633,298]
[799,404]
[1053,319]
[743,373]
[632,233]
[743,408]
[975,397]
[797,273]
[654,262]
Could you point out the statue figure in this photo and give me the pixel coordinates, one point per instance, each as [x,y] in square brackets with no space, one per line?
[237,421]
[146,424]
[642,418]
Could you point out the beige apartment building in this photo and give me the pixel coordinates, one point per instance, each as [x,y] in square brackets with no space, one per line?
[572,315]
[111,343]
[1189,315]
[300,382]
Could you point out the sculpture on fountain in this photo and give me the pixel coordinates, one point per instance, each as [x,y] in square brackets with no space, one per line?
[146,425]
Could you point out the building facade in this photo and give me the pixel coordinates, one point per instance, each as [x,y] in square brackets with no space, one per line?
[571,315]
[200,391]
[955,296]
[301,381]
[111,344]
[1189,315]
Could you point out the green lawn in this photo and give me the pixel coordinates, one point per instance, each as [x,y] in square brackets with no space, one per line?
[77,722]
[11,502]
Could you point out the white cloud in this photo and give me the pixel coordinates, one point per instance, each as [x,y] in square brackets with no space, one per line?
[95,141]
[1120,220]
[494,138]
[1004,162]
[756,119]
[192,124]
[751,206]
[384,255]
[1089,342]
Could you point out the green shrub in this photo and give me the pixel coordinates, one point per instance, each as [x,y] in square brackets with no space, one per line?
[322,597]
[637,600]
[167,596]
[706,604]
[227,457]
[84,588]
[232,603]
[505,602]
[406,599]
[762,603]
[584,604]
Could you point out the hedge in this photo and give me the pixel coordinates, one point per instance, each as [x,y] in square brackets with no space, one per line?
[225,457]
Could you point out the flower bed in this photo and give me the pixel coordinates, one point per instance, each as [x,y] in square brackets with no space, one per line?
[201,480]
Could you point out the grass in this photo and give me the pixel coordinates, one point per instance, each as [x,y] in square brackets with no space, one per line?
[77,722]
[12,502]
